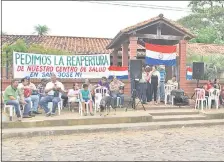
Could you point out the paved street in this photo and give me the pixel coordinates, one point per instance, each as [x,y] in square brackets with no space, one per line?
[173,144]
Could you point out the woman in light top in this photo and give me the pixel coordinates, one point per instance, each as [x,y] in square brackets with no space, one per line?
[73,93]
[155,80]
[148,81]
[142,88]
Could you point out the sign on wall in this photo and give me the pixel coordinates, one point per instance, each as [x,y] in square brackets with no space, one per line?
[65,66]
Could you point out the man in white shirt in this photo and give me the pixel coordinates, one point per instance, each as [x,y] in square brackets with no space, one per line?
[173,81]
[53,90]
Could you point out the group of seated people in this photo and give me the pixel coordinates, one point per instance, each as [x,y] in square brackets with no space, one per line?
[27,96]
[209,85]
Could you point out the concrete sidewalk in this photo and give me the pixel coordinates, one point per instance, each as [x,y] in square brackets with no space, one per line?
[71,119]
[65,130]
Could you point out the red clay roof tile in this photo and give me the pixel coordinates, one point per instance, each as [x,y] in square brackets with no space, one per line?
[85,45]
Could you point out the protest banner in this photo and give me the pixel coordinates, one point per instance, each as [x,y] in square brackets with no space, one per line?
[64,66]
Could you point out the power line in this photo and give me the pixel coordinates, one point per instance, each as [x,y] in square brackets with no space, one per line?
[141,6]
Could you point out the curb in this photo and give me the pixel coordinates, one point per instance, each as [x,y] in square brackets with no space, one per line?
[78,121]
[54,131]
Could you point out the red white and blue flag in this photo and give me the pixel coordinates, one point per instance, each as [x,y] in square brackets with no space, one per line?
[189,73]
[160,54]
[119,72]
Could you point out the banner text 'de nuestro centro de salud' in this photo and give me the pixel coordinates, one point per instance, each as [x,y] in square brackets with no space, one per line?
[65,66]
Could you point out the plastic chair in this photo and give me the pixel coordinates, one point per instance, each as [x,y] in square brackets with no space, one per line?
[168,89]
[98,98]
[70,101]
[11,108]
[118,102]
[60,105]
[100,92]
[200,98]
[80,106]
[213,95]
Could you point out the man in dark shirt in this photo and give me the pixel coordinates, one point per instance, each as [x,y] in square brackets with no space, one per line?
[104,83]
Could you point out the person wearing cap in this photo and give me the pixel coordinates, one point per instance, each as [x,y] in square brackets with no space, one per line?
[53,89]
[24,98]
[161,88]
[34,96]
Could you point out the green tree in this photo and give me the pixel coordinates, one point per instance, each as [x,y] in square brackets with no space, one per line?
[213,64]
[202,6]
[7,50]
[206,21]
[41,29]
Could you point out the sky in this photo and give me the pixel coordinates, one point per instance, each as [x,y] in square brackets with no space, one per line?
[81,19]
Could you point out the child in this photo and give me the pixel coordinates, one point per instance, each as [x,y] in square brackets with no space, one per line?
[86,98]
[73,93]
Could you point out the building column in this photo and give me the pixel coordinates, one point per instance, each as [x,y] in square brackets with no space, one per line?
[115,57]
[133,47]
[182,64]
[133,55]
[125,54]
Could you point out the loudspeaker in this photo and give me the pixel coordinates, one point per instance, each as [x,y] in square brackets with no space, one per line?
[198,70]
[135,68]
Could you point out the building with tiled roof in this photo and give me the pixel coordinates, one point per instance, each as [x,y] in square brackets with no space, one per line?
[88,45]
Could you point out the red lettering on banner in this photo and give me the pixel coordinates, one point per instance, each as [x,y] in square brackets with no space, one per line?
[97,69]
[20,68]
[40,68]
[83,69]
[66,69]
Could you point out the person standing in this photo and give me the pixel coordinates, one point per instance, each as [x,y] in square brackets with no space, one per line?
[217,85]
[148,82]
[155,80]
[161,88]
[142,88]
[11,96]
[53,90]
